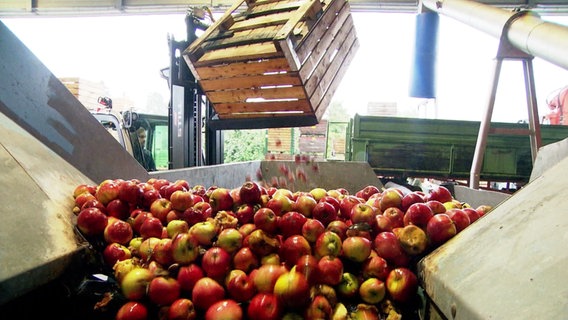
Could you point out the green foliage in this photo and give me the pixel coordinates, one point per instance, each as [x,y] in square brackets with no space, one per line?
[244,145]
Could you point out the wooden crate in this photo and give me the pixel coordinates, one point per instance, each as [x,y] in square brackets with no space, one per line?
[270,58]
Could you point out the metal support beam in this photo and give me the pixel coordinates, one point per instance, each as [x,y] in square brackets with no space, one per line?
[507,52]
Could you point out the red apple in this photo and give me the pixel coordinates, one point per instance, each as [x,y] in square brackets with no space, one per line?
[118,231]
[356,248]
[131,192]
[166,191]
[396,215]
[163,291]
[239,286]
[206,292]
[244,259]
[334,201]
[330,269]
[216,262]
[402,284]
[84,189]
[92,222]
[291,223]
[328,244]
[324,212]
[132,310]
[367,191]
[230,239]
[205,232]
[338,227]
[388,247]
[151,227]
[135,283]
[245,213]
[318,308]
[225,309]
[382,223]
[265,277]
[266,220]
[459,217]
[160,209]
[264,306]
[345,205]
[418,214]
[118,209]
[182,309]
[436,206]
[185,248]
[250,193]
[483,209]
[304,204]
[163,252]
[220,199]
[146,249]
[410,198]
[375,267]
[176,226]
[293,248]
[472,214]
[107,191]
[363,213]
[372,291]
[114,252]
[188,275]
[440,228]
[181,200]
[440,193]
[312,229]
[292,289]
[136,219]
[390,198]
[308,266]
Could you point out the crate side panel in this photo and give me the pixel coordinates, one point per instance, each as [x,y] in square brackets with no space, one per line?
[268,108]
[257,81]
[245,68]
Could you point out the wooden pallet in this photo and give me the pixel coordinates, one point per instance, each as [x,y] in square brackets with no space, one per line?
[270,58]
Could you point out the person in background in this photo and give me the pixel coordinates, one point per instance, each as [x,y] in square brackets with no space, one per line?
[147,159]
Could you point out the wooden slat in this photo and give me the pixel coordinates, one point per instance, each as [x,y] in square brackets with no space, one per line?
[239,53]
[247,68]
[302,105]
[341,44]
[258,81]
[324,103]
[244,37]
[309,9]
[324,47]
[242,95]
[324,30]
[215,26]
[273,8]
[262,21]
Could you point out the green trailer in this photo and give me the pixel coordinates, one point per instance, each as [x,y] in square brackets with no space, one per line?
[443,149]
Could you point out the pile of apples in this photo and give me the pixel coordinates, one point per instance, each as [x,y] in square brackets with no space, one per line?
[258,252]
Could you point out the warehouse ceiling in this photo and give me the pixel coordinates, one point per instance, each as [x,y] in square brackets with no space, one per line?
[45,8]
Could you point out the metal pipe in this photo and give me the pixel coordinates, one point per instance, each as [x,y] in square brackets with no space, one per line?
[527,32]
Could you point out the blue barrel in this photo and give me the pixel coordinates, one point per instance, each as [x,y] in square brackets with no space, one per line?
[423,82]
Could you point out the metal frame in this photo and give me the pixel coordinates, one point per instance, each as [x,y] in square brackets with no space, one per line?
[507,52]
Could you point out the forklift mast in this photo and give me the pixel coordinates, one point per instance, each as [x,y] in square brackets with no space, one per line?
[192,142]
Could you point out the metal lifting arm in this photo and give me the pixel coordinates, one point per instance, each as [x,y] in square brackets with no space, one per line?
[527,33]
